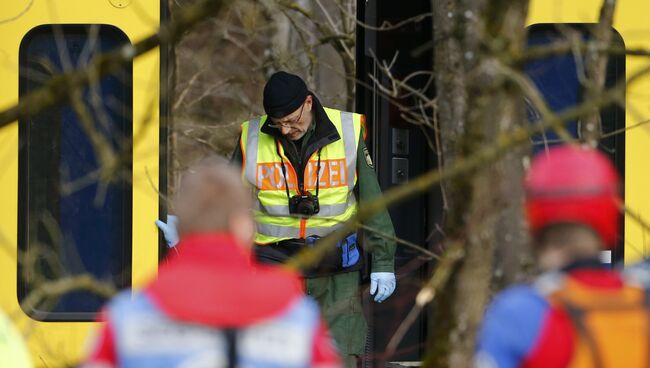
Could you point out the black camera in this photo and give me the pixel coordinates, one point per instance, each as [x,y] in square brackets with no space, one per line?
[304,204]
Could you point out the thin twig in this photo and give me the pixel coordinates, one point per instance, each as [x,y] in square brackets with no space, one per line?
[397,240]
[61,87]
[536,98]
[64,285]
[595,71]
[437,281]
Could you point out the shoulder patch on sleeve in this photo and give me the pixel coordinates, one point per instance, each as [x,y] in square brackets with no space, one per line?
[366,154]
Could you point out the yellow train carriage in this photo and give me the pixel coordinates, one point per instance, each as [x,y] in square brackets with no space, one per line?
[62,220]
[63,213]
[631,148]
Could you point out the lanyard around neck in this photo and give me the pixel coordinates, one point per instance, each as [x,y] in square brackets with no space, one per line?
[284,171]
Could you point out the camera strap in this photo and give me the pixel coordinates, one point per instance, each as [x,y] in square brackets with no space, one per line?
[300,183]
[284,169]
[318,171]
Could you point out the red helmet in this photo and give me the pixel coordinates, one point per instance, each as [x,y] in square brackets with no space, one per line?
[574,185]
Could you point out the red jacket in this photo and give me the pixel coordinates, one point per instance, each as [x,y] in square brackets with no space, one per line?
[214,281]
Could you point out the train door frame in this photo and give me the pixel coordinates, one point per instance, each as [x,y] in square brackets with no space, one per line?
[55,343]
[399,151]
[630,23]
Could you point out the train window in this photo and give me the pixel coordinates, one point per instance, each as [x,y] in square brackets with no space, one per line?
[75,213]
[558,78]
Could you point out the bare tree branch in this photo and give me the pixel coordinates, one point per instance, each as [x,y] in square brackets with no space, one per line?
[430,255]
[436,282]
[595,68]
[465,165]
[61,86]
[64,285]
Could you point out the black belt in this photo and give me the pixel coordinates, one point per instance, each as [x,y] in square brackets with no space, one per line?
[280,252]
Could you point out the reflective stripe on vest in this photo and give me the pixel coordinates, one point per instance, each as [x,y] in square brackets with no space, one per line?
[284,232]
[145,337]
[262,170]
[325,209]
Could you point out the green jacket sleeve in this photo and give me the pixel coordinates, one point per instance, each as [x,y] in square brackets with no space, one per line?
[382,249]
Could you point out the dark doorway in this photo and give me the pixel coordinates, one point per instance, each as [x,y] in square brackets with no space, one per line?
[401,150]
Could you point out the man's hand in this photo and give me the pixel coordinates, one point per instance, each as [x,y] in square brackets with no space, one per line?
[382,285]
[169,230]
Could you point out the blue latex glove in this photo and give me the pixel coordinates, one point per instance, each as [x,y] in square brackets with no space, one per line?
[383,284]
[169,230]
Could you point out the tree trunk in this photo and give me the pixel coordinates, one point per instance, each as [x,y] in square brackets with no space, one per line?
[473,36]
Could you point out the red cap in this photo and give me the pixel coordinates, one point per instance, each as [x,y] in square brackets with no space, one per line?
[574,185]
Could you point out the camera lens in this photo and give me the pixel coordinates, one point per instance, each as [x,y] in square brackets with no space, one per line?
[306,207]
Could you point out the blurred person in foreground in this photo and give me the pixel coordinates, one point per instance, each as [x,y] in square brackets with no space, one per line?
[211,305]
[579,312]
[13,352]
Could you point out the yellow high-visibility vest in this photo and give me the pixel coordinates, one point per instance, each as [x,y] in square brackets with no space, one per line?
[262,160]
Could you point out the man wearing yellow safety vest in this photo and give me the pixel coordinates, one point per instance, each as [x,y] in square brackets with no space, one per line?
[310,170]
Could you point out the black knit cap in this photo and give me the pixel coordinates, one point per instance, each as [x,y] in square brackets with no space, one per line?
[283,94]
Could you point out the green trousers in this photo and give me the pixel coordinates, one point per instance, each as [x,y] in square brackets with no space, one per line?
[339,300]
